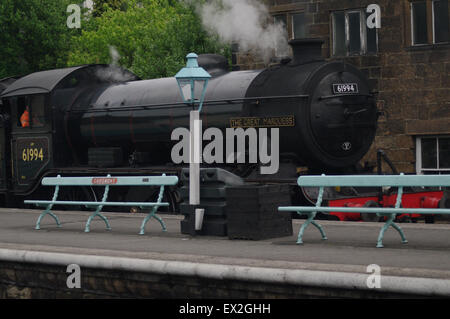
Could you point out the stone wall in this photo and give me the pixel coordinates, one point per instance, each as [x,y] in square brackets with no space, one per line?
[413,81]
[37,281]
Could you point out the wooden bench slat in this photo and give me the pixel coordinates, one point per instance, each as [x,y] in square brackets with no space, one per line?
[112,181]
[374,210]
[374,180]
[74,203]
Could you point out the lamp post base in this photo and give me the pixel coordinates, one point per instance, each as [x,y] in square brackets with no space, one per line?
[199,213]
[193,224]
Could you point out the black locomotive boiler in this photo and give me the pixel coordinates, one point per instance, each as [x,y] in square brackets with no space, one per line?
[98,119]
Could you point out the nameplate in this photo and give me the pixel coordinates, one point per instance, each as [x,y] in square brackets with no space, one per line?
[277,121]
[104,181]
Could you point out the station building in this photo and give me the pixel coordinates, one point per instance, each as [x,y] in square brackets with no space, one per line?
[407,61]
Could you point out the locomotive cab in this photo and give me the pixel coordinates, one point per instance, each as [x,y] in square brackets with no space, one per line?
[33,122]
[4,135]
[29,131]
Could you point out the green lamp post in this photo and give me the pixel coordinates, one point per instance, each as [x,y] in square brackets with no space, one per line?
[192,81]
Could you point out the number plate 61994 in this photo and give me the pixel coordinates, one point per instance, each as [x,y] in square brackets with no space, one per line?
[345,88]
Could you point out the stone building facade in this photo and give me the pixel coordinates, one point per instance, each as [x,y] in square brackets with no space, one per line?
[407,61]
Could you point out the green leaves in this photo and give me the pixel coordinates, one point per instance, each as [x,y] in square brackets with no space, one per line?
[100,6]
[152,36]
[34,35]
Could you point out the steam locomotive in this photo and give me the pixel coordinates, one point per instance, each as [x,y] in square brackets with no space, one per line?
[100,119]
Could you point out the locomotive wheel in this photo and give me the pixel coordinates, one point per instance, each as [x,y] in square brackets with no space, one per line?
[369,217]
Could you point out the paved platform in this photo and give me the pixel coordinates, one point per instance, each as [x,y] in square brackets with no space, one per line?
[350,247]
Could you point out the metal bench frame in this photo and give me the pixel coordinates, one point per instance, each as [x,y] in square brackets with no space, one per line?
[399,181]
[107,182]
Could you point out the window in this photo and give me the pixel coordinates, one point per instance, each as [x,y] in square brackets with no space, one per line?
[419,24]
[351,36]
[280,18]
[433,155]
[22,103]
[37,112]
[30,111]
[339,34]
[429,22]
[440,21]
[296,24]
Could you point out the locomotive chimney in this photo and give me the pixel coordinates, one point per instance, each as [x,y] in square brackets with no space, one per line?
[306,50]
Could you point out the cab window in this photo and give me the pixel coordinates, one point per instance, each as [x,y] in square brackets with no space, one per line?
[31,111]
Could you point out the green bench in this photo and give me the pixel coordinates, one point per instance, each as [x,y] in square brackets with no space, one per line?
[399,181]
[106,182]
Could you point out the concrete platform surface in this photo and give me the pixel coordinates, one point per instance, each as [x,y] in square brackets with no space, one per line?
[350,247]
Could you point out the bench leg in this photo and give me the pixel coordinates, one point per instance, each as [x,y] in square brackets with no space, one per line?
[148,217]
[163,225]
[400,231]
[320,228]
[96,213]
[390,222]
[45,212]
[306,224]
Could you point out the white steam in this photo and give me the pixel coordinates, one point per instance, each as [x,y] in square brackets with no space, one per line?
[247,23]
[113,72]
[114,54]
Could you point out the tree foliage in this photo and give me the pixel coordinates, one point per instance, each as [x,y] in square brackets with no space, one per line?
[33,35]
[151,36]
[100,6]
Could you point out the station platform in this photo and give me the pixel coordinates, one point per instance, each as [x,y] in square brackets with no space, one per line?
[421,267]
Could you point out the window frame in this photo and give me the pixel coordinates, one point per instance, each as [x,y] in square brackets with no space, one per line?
[291,16]
[431,28]
[290,21]
[17,111]
[362,33]
[433,24]
[419,169]
[411,8]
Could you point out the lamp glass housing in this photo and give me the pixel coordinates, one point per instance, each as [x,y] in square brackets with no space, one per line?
[192,81]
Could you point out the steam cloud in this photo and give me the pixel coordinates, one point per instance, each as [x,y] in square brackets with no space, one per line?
[114,54]
[113,72]
[247,23]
